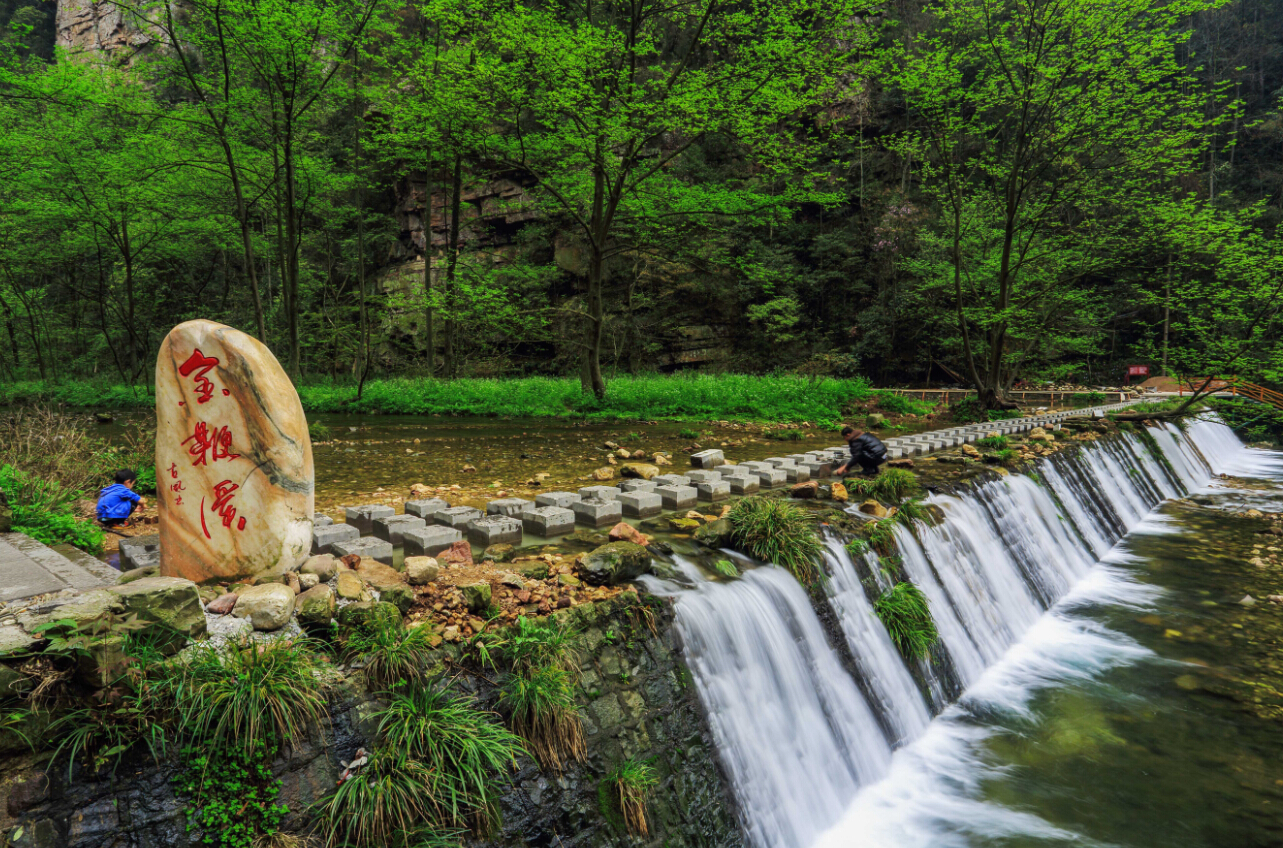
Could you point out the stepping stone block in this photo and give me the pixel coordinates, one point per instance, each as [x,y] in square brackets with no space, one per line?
[637,486]
[366,546]
[323,538]
[713,491]
[641,504]
[702,477]
[456,516]
[512,507]
[603,493]
[393,528]
[494,530]
[672,480]
[425,508]
[597,512]
[745,483]
[678,497]
[558,499]
[139,547]
[430,540]
[708,459]
[320,520]
[362,517]
[548,521]
[771,478]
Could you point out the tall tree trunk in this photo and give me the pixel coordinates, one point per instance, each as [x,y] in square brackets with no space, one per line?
[429,314]
[590,378]
[452,260]
[360,241]
[291,254]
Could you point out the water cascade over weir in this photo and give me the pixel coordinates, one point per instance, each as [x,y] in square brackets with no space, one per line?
[798,736]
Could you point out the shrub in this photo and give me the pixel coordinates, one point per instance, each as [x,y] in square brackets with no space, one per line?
[44,509]
[904,612]
[542,710]
[318,432]
[891,485]
[462,746]
[687,433]
[231,794]
[993,442]
[632,781]
[384,805]
[390,653]
[777,532]
[246,693]
[895,404]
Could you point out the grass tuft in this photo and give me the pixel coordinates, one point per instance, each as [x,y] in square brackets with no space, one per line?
[904,612]
[390,653]
[726,568]
[891,485]
[387,804]
[777,532]
[633,781]
[993,443]
[542,710]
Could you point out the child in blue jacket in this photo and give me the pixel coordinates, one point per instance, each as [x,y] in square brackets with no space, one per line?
[116,502]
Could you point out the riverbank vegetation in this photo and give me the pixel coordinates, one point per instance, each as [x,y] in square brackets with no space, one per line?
[777,532]
[811,187]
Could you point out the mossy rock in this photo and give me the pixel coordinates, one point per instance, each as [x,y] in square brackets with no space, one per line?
[532,570]
[369,614]
[315,607]
[399,595]
[615,563]
[476,596]
[587,537]
[502,552]
[715,534]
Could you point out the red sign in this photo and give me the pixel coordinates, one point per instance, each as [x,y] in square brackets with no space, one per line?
[1137,370]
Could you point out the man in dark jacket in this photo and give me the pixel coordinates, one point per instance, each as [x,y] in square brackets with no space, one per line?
[867,451]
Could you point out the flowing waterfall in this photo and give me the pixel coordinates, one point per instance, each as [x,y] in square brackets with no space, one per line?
[799,738]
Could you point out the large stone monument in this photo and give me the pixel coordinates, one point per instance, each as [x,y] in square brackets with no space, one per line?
[234,478]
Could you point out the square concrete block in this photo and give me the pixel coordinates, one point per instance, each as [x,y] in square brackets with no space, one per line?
[779,461]
[757,465]
[136,548]
[715,490]
[362,517]
[324,537]
[494,530]
[391,529]
[601,493]
[743,485]
[641,504]
[672,480]
[548,521]
[430,540]
[512,507]
[597,512]
[707,459]
[794,473]
[425,508]
[366,546]
[678,497]
[771,478]
[558,499]
[455,516]
[321,520]
[638,486]
[817,470]
[702,477]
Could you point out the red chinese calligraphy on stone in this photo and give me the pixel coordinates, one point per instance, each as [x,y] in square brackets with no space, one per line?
[178,487]
[200,364]
[209,444]
[222,507]
[173,470]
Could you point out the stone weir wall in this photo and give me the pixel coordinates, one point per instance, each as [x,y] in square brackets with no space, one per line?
[638,701]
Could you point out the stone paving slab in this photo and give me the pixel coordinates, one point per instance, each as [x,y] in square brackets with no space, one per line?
[29,568]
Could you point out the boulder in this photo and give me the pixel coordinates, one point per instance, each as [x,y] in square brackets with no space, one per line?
[78,608]
[625,532]
[604,473]
[660,459]
[267,607]
[476,596]
[875,421]
[226,411]
[639,471]
[511,580]
[378,575]
[369,614]
[809,489]
[223,604]
[615,563]
[421,570]
[873,508]
[14,641]
[316,606]
[533,570]
[623,453]
[715,534]
[171,601]
[307,581]
[137,574]
[324,566]
[351,587]
[399,595]
[459,553]
[839,493]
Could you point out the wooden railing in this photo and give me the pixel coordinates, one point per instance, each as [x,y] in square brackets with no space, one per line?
[1241,388]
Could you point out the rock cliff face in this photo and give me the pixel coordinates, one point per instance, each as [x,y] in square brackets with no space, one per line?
[638,701]
[99,26]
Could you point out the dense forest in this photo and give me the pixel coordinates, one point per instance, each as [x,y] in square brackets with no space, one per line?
[980,191]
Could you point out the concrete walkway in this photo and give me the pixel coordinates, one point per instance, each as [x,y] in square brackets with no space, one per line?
[29,568]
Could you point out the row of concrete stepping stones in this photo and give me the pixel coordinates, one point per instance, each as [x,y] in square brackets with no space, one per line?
[430,526]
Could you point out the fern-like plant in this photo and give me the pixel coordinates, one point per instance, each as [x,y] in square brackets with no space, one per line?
[904,612]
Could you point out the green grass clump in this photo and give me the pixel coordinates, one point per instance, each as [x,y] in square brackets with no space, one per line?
[695,397]
[1005,456]
[391,654]
[541,709]
[1081,399]
[464,747]
[785,435]
[632,781]
[386,804]
[726,568]
[895,404]
[777,532]
[993,442]
[688,433]
[318,432]
[246,693]
[904,612]
[891,485]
